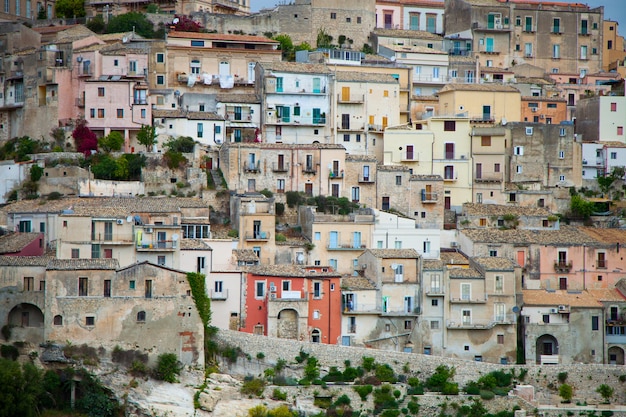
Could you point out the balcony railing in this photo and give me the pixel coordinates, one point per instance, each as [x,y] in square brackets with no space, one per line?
[368,179]
[601,263]
[352,329]
[435,291]
[276,167]
[428,197]
[85,72]
[252,166]
[360,308]
[335,174]
[258,236]
[375,128]
[507,319]
[80,102]
[347,246]
[489,177]
[464,300]
[158,245]
[353,98]
[562,266]
[219,295]
[409,156]
[309,169]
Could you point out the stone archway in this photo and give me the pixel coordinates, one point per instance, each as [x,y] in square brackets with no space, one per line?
[616,355]
[546,345]
[27,323]
[288,324]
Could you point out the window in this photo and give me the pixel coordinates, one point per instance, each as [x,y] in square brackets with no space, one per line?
[407,324]
[518,169]
[398,180]
[358,19]
[197,43]
[493,253]
[317,289]
[613,107]
[434,303]
[500,339]
[83,286]
[448,172]
[131,285]
[449,151]
[561,177]
[160,80]
[141,316]
[100,113]
[595,323]
[496,167]
[556,51]
[356,194]
[556,25]
[518,150]
[58,320]
[348,19]
[449,126]
[161,260]
[148,288]
[466,291]
[29,284]
[120,113]
[318,236]
[467,317]
[620,130]
[583,52]
[499,312]
[260,289]
[434,324]
[90,321]
[75,253]
[200,130]
[100,91]
[160,58]
[485,141]
[546,318]
[528,50]
[561,154]
[333,15]
[499,282]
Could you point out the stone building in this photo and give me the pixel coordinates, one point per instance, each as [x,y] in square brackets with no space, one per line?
[361,176]
[474,215]
[253,215]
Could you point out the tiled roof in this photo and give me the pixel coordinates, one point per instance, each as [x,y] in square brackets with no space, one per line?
[238,98]
[432,264]
[499,88]
[453,258]
[15,242]
[195,220]
[544,99]
[495,263]
[560,297]
[245,255]
[357,283]
[392,168]
[299,67]
[181,114]
[262,145]
[395,253]
[567,235]
[290,271]
[364,77]
[613,144]
[220,37]
[25,260]
[109,37]
[194,244]
[496,70]
[51,29]
[426,177]
[408,34]
[82,264]
[608,294]
[360,158]
[606,235]
[464,273]
[533,80]
[414,48]
[473,209]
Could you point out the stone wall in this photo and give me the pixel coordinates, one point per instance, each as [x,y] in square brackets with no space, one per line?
[585,378]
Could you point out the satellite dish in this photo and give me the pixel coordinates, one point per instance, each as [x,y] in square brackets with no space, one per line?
[129,219]
[176,20]
[394,266]
[175,236]
[504,122]
[300,257]
[79,59]
[515,309]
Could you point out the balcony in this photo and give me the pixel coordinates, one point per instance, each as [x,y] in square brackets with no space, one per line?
[428,197]
[85,72]
[288,295]
[218,295]
[488,51]
[615,333]
[297,121]
[107,239]
[601,263]
[489,177]
[435,292]
[491,27]
[360,308]
[529,29]
[334,175]
[136,74]
[252,167]
[366,180]
[258,236]
[347,246]
[309,169]
[352,328]
[276,167]
[464,300]
[238,117]
[409,156]
[507,319]
[158,246]
[375,128]
[562,266]
[430,79]
[80,102]
[348,128]
[450,178]
[350,99]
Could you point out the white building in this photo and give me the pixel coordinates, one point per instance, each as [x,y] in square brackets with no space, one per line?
[395,232]
[204,127]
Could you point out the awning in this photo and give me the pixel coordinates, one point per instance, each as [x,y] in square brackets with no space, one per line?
[230,123]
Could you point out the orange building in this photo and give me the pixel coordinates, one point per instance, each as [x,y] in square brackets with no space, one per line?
[293,302]
[549,110]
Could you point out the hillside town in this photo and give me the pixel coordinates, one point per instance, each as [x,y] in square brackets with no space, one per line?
[443,178]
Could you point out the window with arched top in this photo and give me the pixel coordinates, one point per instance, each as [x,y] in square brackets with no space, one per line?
[316,336]
[58,320]
[141,316]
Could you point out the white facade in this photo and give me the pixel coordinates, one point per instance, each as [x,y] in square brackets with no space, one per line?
[423,18]
[11,176]
[592,159]
[395,232]
[612,118]
[204,131]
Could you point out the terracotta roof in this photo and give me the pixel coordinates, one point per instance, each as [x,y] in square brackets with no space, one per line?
[190,115]
[474,209]
[613,144]
[464,273]
[544,99]
[608,294]
[299,67]
[567,235]
[414,48]
[245,255]
[238,98]
[495,70]
[394,253]
[453,258]
[392,168]
[364,77]
[194,244]
[499,88]
[15,242]
[221,37]
[560,297]
[290,271]
[357,283]
[425,177]
[533,80]
[195,220]
[265,145]
[432,264]
[408,34]
[494,263]
[51,29]
[606,235]
[82,264]
[25,260]
[360,158]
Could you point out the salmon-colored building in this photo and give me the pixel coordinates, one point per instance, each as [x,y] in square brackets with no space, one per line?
[293,302]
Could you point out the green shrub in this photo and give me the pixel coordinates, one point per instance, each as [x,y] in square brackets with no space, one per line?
[168,367]
[350,374]
[342,400]
[368,363]
[450,388]
[502,392]
[363,391]
[487,395]
[279,395]
[472,388]
[606,392]
[138,368]
[302,356]
[334,375]
[562,377]
[280,209]
[258,411]
[233,233]
[385,373]
[253,387]
[566,392]
[281,411]
[55,195]
[441,376]
[280,237]
[9,352]
[260,355]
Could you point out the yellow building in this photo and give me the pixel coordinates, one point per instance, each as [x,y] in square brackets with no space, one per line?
[486,103]
[614,47]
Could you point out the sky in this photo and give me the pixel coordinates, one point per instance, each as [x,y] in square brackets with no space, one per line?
[613,9]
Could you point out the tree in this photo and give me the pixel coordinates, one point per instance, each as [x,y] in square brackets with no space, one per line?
[183,144]
[131,21]
[69,8]
[36,172]
[186,24]
[304,46]
[324,40]
[111,142]
[147,136]
[581,207]
[167,367]
[566,392]
[96,24]
[286,46]
[85,140]
[20,389]
[606,392]
[42,14]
